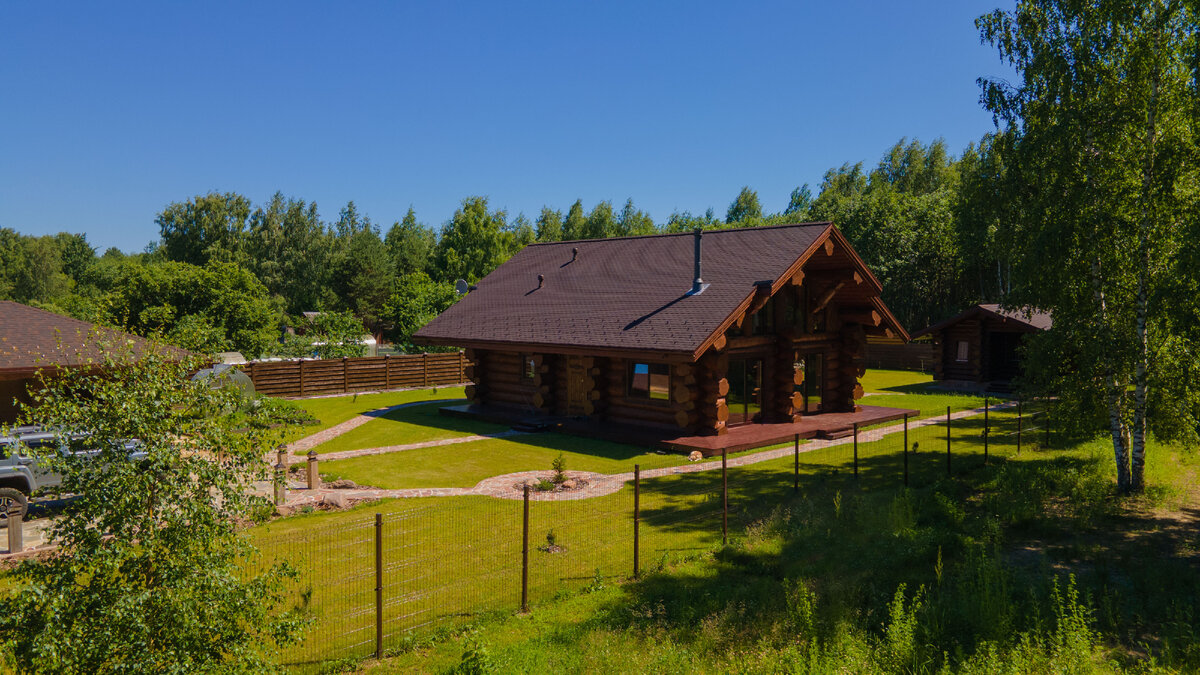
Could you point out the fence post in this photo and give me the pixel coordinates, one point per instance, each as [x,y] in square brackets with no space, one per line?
[856,449]
[986,405]
[1047,424]
[1019,426]
[387,371]
[948,471]
[796,470]
[525,556]
[314,477]
[345,374]
[724,496]
[300,367]
[425,367]
[905,449]
[637,516]
[16,529]
[379,585]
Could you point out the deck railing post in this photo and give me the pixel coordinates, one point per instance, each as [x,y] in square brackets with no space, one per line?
[525,555]
[796,465]
[905,449]
[637,515]
[948,472]
[724,496]
[378,585]
[16,529]
[856,449]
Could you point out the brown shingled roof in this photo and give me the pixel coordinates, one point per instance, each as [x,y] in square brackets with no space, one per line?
[629,293]
[32,338]
[1028,318]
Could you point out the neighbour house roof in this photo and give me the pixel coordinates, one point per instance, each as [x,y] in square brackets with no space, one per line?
[32,339]
[1026,318]
[631,293]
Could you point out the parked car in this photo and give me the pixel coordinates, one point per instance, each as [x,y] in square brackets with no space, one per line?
[20,474]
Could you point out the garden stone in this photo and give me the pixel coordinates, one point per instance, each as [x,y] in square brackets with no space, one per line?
[570,484]
[334,500]
[343,484]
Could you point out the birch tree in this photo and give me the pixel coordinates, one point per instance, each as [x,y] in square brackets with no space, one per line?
[1104,116]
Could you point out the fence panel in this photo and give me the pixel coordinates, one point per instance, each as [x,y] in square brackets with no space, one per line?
[309,377]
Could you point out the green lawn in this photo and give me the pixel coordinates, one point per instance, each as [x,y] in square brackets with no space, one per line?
[914,391]
[415,424]
[465,464]
[337,409]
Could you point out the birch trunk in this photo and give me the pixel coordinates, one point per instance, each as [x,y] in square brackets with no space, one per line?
[1116,421]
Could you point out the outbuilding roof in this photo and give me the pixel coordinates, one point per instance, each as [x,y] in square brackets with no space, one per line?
[1027,318]
[32,338]
[631,293]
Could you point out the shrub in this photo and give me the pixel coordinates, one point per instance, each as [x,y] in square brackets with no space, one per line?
[560,469]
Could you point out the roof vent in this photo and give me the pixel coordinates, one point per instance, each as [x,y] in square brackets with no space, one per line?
[541,280]
[574,253]
[698,284]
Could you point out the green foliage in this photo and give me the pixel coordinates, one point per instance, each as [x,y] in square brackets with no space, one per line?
[290,250]
[549,225]
[206,227]
[745,209]
[600,223]
[575,223]
[362,271]
[151,575]
[559,465]
[410,245]
[473,243]
[414,301]
[327,335]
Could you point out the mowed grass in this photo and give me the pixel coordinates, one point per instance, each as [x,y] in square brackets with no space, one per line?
[415,424]
[465,464]
[334,410]
[914,391]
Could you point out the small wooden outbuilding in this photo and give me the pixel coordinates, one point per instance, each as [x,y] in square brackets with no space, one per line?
[691,334]
[981,346]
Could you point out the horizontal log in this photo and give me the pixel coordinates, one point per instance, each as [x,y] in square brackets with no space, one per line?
[685,419]
[865,317]
[683,370]
[681,393]
[719,386]
[720,343]
[798,376]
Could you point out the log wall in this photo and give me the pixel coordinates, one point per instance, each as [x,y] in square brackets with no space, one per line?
[952,369]
[309,377]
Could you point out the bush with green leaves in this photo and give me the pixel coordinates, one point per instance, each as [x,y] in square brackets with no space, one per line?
[150,574]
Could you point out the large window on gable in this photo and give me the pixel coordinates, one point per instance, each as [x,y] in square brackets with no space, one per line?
[650,381]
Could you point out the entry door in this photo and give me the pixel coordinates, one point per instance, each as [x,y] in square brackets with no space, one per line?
[576,389]
[745,391]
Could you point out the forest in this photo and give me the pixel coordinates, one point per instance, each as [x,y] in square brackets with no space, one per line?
[228,274]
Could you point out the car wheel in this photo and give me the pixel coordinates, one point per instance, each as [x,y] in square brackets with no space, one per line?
[11,498]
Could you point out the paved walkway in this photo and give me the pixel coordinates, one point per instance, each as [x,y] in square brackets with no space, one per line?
[503,486]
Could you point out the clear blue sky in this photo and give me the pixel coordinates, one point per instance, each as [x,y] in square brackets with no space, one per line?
[110,111]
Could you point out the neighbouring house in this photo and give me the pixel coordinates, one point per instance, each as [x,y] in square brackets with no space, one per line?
[980,347]
[723,339]
[33,340]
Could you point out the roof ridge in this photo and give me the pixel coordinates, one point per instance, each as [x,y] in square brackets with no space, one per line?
[688,233]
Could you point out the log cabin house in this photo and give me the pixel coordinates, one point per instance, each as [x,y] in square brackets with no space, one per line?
[980,347]
[727,338]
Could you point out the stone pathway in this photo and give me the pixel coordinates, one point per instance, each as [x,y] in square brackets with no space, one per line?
[308,442]
[598,484]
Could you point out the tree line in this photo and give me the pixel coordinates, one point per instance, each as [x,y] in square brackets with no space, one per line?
[227,274]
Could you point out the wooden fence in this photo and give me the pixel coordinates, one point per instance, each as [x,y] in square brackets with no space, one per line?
[900,356]
[370,373]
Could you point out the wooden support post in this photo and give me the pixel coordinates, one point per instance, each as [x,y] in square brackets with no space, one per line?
[280,481]
[16,529]
[796,472]
[345,374]
[986,405]
[425,367]
[1019,425]
[525,556]
[300,367]
[948,440]
[378,585]
[387,371]
[905,449]
[724,496]
[637,516]
[856,449]
[314,478]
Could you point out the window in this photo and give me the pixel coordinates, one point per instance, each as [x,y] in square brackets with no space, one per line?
[813,365]
[528,367]
[650,381]
[962,352]
[764,319]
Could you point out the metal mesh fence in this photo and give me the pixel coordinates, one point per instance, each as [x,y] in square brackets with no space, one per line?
[372,581]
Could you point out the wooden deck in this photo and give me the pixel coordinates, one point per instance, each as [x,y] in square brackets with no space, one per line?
[744,437]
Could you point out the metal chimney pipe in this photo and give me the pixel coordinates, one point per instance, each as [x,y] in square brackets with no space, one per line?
[698,284]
